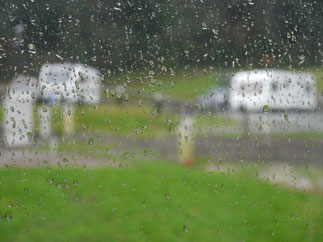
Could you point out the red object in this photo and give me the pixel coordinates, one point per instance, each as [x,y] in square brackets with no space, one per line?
[189,163]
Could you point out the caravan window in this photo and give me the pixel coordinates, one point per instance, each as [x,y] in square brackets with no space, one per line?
[251,88]
[274,86]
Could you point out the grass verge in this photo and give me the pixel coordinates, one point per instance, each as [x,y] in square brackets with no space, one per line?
[152,201]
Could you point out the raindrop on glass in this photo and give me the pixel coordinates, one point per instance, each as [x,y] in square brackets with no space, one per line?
[91,141]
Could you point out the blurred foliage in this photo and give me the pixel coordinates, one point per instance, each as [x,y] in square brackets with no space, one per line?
[126,36]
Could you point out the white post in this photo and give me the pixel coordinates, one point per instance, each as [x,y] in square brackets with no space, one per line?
[186,135]
[45,128]
[68,118]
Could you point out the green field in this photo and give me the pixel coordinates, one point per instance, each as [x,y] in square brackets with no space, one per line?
[187,85]
[129,120]
[112,119]
[116,120]
[318,73]
[155,201]
[140,119]
[182,84]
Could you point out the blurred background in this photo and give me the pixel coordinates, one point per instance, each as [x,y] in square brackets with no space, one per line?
[122,37]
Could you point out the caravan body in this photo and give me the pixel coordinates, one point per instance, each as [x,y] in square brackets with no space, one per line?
[89,84]
[71,83]
[277,90]
[57,83]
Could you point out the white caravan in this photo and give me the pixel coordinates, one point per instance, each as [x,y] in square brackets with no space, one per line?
[67,82]
[256,90]
[89,80]
[18,111]
[57,82]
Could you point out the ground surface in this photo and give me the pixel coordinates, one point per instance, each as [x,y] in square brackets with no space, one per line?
[152,201]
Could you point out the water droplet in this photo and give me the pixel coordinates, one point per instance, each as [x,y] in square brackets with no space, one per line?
[31,47]
[59,57]
[185,229]
[75,183]
[26,190]
[152,82]
[286,117]
[91,141]
[251,2]
[125,155]
[29,135]
[65,160]
[167,196]
[204,26]
[8,218]
[164,68]
[112,92]
[151,73]
[265,109]
[301,58]
[126,97]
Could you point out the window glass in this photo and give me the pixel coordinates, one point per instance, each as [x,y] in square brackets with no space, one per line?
[161,120]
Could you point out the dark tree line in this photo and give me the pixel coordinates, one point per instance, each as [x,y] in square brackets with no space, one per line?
[162,34]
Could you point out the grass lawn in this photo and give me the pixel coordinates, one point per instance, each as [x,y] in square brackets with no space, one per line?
[156,201]
[119,120]
[218,121]
[140,122]
[318,73]
[129,119]
[188,84]
[180,85]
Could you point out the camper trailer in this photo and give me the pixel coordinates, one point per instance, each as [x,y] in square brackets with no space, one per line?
[89,84]
[57,83]
[18,106]
[259,90]
[217,99]
[71,83]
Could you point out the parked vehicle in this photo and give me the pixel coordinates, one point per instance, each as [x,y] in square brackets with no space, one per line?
[68,82]
[89,80]
[18,112]
[217,99]
[257,90]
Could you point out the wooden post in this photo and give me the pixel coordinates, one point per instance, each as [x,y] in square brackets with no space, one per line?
[186,141]
[45,128]
[68,118]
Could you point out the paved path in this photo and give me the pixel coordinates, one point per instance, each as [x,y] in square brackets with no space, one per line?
[35,158]
[263,149]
